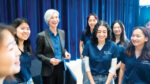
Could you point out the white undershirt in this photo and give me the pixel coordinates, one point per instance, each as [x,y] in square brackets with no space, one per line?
[113,63]
[1,80]
[99,47]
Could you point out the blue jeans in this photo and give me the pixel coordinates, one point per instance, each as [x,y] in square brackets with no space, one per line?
[30,81]
[101,79]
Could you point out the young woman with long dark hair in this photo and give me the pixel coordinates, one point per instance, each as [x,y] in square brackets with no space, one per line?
[86,35]
[23,42]
[135,68]
[120,38]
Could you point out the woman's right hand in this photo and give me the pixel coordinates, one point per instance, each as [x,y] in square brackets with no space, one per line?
[54,61]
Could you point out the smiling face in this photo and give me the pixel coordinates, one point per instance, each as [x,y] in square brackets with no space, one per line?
[102,34]
[9,55]
[117,29]
[92,21]
[23,31]
[138,39]
[54,20]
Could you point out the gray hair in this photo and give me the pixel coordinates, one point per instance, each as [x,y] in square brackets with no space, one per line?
[49,13]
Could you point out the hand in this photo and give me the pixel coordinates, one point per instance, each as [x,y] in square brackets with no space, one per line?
[54,61]
[81,56]
[67,55]
[115,76]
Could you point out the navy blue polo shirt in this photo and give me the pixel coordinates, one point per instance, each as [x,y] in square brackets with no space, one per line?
[125,43]
[100,60]
[56,45]
[85,38]
[121,48]
[136,70]
[25,62]
[143,70]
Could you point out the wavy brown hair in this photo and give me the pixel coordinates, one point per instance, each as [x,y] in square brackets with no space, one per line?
[100,23]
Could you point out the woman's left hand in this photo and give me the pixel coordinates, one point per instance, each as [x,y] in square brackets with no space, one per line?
[67,55]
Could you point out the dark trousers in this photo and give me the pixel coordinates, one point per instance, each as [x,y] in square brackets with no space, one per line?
[57,76]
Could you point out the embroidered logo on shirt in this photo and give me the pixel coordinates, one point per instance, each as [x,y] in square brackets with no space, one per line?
[107,52]
[146,62]
[120,45]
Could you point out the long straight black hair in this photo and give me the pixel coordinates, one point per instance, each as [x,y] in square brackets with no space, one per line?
[123,34]
[15,24]
[87,31]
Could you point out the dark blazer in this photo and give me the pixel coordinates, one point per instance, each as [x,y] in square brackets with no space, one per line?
[45,50]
